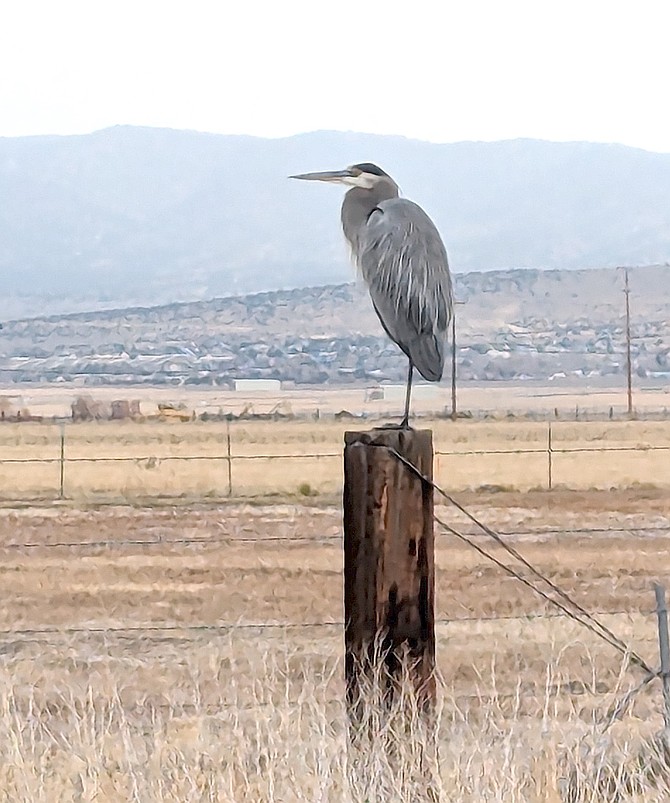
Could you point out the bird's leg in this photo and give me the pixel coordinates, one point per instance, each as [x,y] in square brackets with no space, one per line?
[404,424]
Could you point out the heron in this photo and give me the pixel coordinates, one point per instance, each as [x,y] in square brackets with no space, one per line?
[400,254]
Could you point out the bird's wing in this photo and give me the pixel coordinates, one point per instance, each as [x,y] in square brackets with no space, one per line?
[404,263]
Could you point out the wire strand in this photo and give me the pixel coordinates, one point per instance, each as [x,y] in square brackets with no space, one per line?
[317,539]
[142,459]
[589,621]
[616,643]
[225,627]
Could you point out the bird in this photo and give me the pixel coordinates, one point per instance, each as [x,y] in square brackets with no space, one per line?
[402,258]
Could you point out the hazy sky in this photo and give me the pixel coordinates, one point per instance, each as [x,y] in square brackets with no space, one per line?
[442,70]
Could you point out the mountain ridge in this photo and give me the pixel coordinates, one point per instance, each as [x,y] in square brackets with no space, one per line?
[138,216]
[515,324]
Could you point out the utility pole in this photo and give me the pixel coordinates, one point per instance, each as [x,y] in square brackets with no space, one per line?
[454,412]
[629,367]
[454,408]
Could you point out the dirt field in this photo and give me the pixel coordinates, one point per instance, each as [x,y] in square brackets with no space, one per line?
[592,397]
[143,673]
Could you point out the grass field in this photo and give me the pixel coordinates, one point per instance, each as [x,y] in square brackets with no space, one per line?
[589,397]
[144,672]
[189,647]
[294,457]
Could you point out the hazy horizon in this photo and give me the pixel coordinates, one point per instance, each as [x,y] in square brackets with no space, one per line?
[142,215]
[390,135]
[446,73]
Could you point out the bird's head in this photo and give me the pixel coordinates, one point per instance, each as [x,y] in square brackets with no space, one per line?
[365,175]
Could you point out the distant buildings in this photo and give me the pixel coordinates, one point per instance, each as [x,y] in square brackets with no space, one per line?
[257,385]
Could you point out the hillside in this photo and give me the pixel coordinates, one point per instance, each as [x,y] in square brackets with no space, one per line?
[148,216]
[511,325]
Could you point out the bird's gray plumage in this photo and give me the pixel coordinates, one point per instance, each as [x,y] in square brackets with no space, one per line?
[403,261]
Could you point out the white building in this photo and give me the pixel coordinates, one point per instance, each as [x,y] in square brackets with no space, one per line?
[258,385]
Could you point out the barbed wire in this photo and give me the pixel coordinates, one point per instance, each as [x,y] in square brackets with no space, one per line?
[213,540]
[170,458]
[586,619]
[540,450]
[317,540]
[569,608]
[589,621]
[228,627]
[583,617]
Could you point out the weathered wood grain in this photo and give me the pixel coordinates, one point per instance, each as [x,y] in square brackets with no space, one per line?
[389,581]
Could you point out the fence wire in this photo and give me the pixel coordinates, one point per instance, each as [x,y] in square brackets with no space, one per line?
[316,540]
[567,607]
[222,628]
[582,616]
[550,450]
[541,450]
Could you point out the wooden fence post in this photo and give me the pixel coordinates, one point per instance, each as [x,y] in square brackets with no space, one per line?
[389,580]
[61,464]
[664,650]
[550,461]
[229,457]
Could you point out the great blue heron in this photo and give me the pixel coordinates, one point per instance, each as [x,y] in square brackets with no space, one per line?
[402,258]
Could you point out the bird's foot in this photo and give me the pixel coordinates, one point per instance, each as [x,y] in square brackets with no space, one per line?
[404,424]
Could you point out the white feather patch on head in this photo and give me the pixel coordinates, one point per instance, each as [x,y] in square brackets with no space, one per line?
[365,180]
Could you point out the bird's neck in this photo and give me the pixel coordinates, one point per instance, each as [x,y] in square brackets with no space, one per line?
[359,203]
[383,191]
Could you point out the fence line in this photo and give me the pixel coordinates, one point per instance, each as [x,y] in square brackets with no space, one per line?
[317,455]
[228,627]
[230,540]
[568,607]
[550,450]
[574,609]
[566,604]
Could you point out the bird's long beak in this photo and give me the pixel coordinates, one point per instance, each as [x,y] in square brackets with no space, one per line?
[329,175]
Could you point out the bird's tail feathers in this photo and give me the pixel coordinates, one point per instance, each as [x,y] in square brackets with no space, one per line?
[427,355]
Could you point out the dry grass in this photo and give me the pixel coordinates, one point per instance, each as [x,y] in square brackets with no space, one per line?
[314,461]
[85,731]
[216,710]
[496,398]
